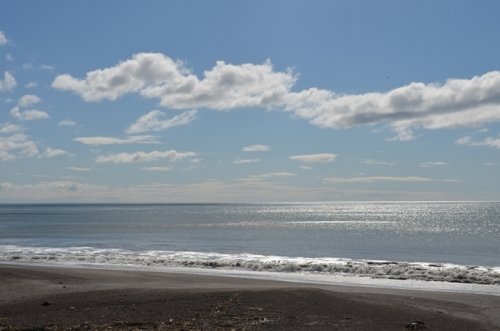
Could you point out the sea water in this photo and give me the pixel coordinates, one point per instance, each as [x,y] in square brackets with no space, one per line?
[449,242]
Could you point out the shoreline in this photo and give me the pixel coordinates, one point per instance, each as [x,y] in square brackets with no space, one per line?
[58,298]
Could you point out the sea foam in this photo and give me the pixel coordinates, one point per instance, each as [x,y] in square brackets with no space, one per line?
[252,262]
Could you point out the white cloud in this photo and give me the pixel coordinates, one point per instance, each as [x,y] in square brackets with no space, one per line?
[469,141]
[16,146]
[245,161]
[455,103]
[159,169]
[128,76]
[155,75]
[28,100]
[19,145]
[314,158]
[376,162]
[67,122]
[80,169]
[8,83]
[3,38]
[31,85]
[53,152]
[372,179]
[303,167]
[47,67]
[256,148]
[96,141]
[274,174]
[153,121]
[28,115]
[28,66]
[10,128]
[261,177]
[466,140]
[430,164]
[171,155]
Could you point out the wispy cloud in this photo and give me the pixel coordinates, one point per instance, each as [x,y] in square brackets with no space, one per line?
[50,189]
[314,158]
[376,162]
[67,122]
[8,83]
[272,175]
[373,179]
[469,141]
[53,152]
[245,161]
[430,164]
[171,155]
[157,169]
[3,38]
[256,148]
[80,169]
[97,141]
[153,121]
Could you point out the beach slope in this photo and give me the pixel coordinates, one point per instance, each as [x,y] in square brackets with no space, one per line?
[53,298]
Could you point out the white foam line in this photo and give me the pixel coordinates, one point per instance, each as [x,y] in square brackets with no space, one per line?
[276,265]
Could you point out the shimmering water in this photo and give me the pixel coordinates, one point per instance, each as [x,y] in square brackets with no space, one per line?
[462,233]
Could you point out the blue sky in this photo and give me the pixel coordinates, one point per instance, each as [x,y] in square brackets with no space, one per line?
[248,101]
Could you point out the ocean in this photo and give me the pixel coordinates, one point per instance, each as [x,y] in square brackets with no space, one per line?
[444,242]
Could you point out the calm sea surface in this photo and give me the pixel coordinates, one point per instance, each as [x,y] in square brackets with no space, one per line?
[254,236]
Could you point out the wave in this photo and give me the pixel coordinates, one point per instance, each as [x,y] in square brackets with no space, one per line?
[251,262]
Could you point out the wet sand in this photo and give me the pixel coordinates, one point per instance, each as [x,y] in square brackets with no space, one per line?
[52,298]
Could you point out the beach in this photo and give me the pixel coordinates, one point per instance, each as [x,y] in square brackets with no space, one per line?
[78,298]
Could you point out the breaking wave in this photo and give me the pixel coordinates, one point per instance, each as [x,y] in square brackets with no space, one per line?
[251,262]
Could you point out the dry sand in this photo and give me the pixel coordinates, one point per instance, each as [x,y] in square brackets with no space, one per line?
[50,298]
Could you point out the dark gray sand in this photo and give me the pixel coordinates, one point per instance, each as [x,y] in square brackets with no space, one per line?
[50,298]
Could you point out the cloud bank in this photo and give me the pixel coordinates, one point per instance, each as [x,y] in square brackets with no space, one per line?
[454,103]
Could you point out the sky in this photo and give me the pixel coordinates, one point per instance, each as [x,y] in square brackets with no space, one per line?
[249,101]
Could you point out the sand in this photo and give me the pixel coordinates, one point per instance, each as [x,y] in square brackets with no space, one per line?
[55,298]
